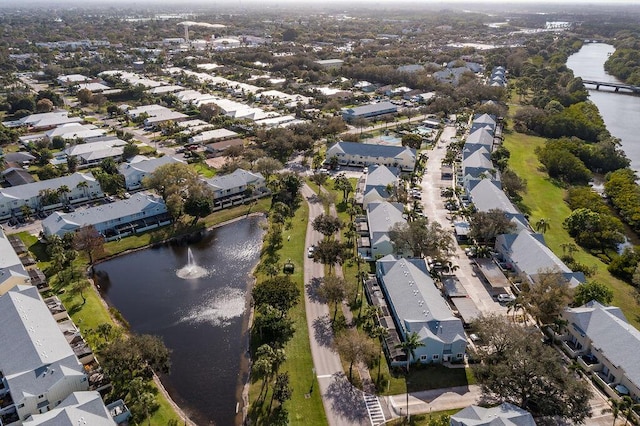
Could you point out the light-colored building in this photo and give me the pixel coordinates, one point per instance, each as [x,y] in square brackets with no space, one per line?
[135,172]
[44,121]
[79,408]
[232,189]
[364,155]
[213,135]
[38,367]
[375,184]
[503,415]
[156,115]
[92,153]
[381,218]
[606,344]
[369,111]
[526,253]
[138,213]
[81,187]
[75,131]
[12,271]
[417,306]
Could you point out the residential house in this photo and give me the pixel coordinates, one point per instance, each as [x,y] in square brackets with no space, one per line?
[483,121]
[38,368]
[12,271]
[135,172]
[364,155]
[15,176]
[603,337]
[156,115]
[72,79]
[417,306]
[369,111]
[478,164]
[92,153]
[218,148]
[481,136]
[487,194]
[79,408]
[212,135]
[376,183]
[234,188]
[526,253]
[138,213]
[503,415]
[381,218]
[81,187]
[75,131]
[44,121]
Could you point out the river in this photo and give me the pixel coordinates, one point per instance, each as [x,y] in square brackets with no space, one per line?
[621,112]
[202,320]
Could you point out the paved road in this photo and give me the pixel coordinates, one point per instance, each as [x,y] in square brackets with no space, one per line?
[343,404]
[434,209]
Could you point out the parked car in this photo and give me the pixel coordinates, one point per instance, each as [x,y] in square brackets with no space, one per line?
[506,298]
[310,251]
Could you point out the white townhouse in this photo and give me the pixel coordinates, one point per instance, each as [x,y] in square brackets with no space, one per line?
[81,187]
[44,121]
[92,153]
[363,155]
[138,213]
[231,189]
[375,184]
[381,218]
[38,368]
[417,306]
[607,345]
[79,408]
[135,172]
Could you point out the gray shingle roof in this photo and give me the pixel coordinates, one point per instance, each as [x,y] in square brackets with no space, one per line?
[381,218]
[234,180]
[372,108]
[60,223]
[371,150]
[417,301]
[145,166]
[504,414]
[487,195]
[79,408]
[380,177]
[10,264]
[39,355]
[25,192]
[609,332]
[480,136]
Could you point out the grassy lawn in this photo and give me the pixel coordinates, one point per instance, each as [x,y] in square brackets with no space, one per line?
[182,228]
[546,200]
[426,377]
[422,419]
[204,170]
[299,364]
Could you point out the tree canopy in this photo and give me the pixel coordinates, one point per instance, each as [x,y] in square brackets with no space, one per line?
[422,238]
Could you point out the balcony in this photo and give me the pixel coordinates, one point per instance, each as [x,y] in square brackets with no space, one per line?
[5,401]
[9,417]
[589,362]
[119,412]
[56,308]
[571,349]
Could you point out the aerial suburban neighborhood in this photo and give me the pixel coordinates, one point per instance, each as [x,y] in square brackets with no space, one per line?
[322,214]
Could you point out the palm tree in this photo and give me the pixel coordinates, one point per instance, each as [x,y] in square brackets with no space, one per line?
[63,191]
[409,345]
[542,225]
[380,333]
[84,185]
[517,305]
[617,405]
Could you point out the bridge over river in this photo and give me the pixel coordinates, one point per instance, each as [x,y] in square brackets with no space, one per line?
[617,86]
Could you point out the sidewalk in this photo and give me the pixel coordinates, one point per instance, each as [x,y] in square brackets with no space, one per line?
[432,401]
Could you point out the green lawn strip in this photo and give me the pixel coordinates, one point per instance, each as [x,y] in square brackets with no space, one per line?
[546,200]
[427,377]
[156,236]
[204,170]
[422,419]
[299,364]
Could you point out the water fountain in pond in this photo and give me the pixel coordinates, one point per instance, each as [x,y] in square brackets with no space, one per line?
[191,270]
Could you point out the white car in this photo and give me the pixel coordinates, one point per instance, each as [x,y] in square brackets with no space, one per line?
[310,251]
[505,298]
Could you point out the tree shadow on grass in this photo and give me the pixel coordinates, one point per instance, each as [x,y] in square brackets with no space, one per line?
[346,400]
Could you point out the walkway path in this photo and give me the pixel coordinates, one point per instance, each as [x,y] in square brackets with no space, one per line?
[343,404]
[432,401]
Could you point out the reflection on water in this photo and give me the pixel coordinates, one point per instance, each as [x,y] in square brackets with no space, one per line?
[200,319]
